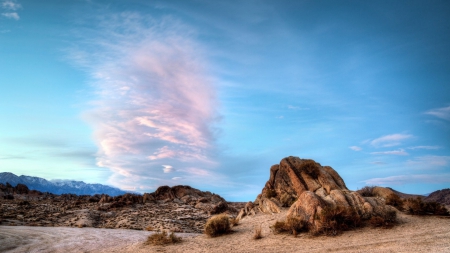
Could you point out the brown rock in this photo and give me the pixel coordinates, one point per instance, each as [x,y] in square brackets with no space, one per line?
[314,187]
[268,206]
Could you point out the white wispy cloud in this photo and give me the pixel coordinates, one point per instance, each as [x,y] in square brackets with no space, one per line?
[11,5]
[390,140]
[425,147]
[406,179]
[156,103]
[391,152]
[442,113]
[11,15]
[167,168]
[292,107]
[355,148]
[429,162]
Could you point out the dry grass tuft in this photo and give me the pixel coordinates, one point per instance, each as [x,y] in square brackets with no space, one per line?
[234,222]
[335,220]
[287,200]
[258,233]
[163,238]
[217,225]
[149,228]
[367,191]
[311,168]
[418,207]
[293,225]
[270,193]
[394,200]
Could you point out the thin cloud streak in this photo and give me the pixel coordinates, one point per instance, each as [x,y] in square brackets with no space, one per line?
[442,113]
[11,15]
[392,152]
[425,147]
[408,179]
[355,148]
[429,162]
[156,103]
[390,140]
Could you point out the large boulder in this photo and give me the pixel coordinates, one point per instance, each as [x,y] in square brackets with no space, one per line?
[308,188]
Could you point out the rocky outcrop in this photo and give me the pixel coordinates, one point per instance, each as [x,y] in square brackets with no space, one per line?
[178,209]
[440,196]
[307,188]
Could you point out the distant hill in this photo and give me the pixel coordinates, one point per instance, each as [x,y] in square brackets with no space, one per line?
[406,195]
[440,196]
[59,186]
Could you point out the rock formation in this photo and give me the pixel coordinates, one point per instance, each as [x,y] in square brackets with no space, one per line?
[307,188]
[179,209]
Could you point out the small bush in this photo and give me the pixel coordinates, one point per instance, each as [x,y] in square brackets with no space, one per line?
[311,168]
[386,221]
[217,225]
[417,207]
[338,219]
[286,200]
[367,191]
[293,225]
[376,221]
[234,222]
[258,233]
[394,200]
[270,193]
[163,238]
[280,227]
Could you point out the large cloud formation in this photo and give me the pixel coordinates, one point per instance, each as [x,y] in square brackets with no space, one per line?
[155,105]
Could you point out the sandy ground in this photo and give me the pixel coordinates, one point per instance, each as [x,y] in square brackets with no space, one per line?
[413,234]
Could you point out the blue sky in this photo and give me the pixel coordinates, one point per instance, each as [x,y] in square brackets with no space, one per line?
[138,94]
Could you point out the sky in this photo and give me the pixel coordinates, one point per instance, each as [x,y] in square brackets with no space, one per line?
[139,94]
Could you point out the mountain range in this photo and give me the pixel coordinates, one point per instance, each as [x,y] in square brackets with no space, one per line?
[59,186]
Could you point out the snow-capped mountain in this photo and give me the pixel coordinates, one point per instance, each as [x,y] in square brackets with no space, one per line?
[59,186]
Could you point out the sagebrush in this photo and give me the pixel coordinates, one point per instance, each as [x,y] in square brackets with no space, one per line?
[163,238]
[218,225]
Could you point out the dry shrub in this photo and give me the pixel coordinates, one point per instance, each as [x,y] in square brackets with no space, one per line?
[270,193]
[335,220]
[279,227]
[387,220]
[417,207]
[311,168]
[234,222]
[163,238]
[293,225]
[367,191]
[394,200]
[258,233]
[217,225]
[287,200]
[376,221]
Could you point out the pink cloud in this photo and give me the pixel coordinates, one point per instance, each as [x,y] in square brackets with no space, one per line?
[156,103]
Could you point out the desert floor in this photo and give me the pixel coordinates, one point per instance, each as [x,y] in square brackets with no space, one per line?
[413,234]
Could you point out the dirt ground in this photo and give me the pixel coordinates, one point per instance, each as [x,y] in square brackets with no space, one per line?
[413,234]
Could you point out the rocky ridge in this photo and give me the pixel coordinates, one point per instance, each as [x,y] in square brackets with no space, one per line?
[178,209]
